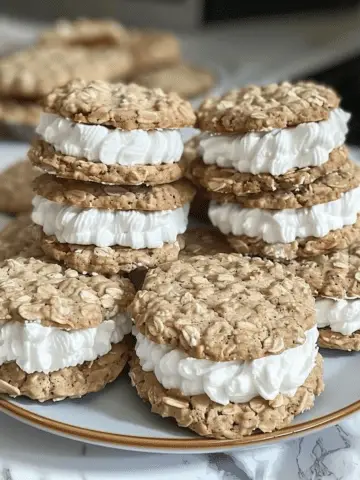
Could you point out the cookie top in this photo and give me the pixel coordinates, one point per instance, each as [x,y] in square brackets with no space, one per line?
[128,107]
[35,72]
[264,108]
[85,32]
[36,290]
[231,181]
[335,275]
[323,190]
[223,308]
[114,197]
[186,80]
[204,241]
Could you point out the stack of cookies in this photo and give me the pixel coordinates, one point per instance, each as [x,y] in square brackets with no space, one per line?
[62,334]
[226,345]
[275,166]
[113,198]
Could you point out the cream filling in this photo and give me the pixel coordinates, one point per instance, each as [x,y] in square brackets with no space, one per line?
[36,348]
[235,381]
[285,226]
[105,228]
[279,150]
[342,316]
[100,144]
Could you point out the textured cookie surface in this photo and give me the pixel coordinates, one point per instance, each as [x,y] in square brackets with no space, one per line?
[324,189]
[19,112]
[44,156]
[264,108]
[72,382]
[153,49]
[114,197]
[203,241]
[227,307]
[300,248]
[231,421]
[186,80]
[230,181]
[336,275]
[118,105]
[15,188]
[16,239]
[85,32]
[35,72]
[337,341]
[108,260]
[37,290]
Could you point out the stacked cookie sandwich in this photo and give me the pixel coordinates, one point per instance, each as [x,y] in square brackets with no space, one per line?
[62,334]
[113,198]
[226,345]
[275,166]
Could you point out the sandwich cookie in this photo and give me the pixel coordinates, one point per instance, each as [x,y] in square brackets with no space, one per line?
[63,335]
[226,345]
[112,133]
[110,228]
[26,76]
[335,282]
[150,50]
[278,192]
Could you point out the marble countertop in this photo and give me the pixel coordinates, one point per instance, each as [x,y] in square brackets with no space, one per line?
[249,52]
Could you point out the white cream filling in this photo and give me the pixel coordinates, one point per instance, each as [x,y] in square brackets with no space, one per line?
[285,226]
[279,150]
[342,316]
[105,228]
[36,348]
[225,382]
[100,144]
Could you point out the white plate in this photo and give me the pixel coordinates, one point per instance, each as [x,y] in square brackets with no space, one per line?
[117,418]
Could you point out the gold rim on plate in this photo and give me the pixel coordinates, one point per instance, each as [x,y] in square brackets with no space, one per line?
[186,443]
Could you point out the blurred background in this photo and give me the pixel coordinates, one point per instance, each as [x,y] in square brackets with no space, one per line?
[237,42]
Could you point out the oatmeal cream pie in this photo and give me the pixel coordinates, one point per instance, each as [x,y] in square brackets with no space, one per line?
[290,233]
[110,228]
[226,345]
[273,161]
[26,76]
[112,133]
[62,334]
[335,282]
